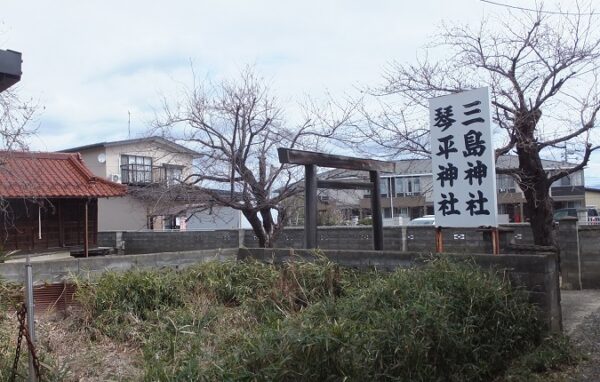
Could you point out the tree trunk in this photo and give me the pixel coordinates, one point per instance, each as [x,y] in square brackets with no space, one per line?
[265,239]
[257,227]
[535,186]
[540,213]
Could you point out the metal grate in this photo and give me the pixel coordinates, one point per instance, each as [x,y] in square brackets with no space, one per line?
[52,297]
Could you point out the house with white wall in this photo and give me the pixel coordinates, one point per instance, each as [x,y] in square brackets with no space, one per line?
[153,168]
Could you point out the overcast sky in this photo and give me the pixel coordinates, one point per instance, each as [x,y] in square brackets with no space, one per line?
[90,63]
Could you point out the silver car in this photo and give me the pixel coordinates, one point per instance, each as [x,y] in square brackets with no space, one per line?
[423,220]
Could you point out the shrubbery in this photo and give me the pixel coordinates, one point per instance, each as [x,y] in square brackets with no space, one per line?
[316,321]
[443,322]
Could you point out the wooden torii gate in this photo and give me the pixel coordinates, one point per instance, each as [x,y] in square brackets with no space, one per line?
[311,160]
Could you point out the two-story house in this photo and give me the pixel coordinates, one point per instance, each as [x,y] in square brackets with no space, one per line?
[137,163]
[408,193]
[153,168]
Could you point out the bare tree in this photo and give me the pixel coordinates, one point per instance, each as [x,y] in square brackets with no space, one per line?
[542,70]
[15,129]
[237,126]
[15,121]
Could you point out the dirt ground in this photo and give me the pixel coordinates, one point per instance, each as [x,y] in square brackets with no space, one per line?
[577,305]
[79,355]
[581,321]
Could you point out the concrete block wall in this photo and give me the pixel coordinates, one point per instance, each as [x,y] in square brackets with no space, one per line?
[589,247]
[360,237]
[87,268]
[399,238]
[137,242]
[568,241]
[579,254]
[536,274]
[107,239]
[521,233]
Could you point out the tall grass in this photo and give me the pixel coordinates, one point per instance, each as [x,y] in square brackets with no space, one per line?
[307,321]
[443,322]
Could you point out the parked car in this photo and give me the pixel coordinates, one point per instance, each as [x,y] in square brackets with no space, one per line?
[564,212]
[423,220]
[593,216]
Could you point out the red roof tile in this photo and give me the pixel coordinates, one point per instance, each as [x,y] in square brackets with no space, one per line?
[58,175]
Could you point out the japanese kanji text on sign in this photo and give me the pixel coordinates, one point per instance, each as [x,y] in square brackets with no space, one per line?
[464,187]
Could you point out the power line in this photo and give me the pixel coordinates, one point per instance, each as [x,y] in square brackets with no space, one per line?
[538,10]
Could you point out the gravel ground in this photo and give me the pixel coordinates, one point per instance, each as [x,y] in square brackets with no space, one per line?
[581,320]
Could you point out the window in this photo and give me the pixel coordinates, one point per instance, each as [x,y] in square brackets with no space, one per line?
[414,186]
[387,213]
[572,180]
[505,183]
[566,181]
[408,186]
[400,186]
[172,174]
[136,169]
[384,187]
[402,211]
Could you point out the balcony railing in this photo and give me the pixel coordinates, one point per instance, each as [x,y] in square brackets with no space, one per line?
[139,175]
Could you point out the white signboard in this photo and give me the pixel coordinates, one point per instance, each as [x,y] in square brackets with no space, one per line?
[464,171]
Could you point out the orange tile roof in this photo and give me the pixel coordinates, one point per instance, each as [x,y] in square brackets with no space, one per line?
[57,175]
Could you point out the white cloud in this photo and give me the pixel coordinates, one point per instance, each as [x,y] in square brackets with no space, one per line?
[90,62]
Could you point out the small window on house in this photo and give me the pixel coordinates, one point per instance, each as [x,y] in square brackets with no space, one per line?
[172,174]
[414,186]
[408,186]
[505,183]
[384,187]
[400,187]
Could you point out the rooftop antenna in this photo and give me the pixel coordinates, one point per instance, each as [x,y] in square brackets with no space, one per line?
[129,125]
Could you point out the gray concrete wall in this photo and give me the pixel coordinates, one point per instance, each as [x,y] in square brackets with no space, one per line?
[153,242]
[86,268]
[580,254]
[536,274]
[167,241]
[589,249]
[401,238]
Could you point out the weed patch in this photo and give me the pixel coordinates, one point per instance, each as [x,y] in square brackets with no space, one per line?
[306,321]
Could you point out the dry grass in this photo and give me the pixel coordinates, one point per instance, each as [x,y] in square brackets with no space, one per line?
[71,354]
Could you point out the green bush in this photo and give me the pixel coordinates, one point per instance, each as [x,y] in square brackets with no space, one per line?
[442,322]
[305,321]
[179,318]
[118,300]
[553,354]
